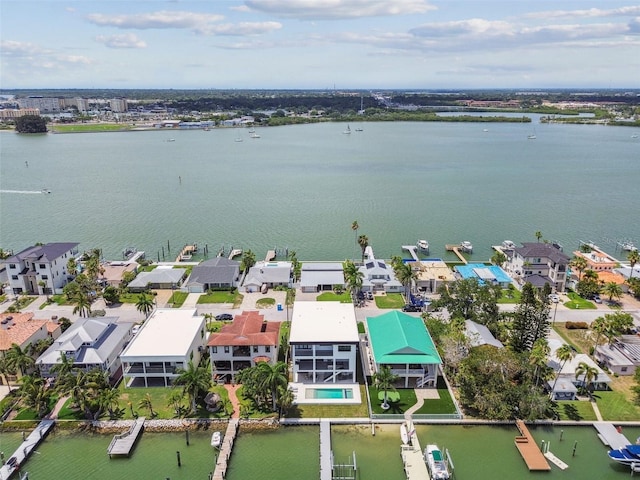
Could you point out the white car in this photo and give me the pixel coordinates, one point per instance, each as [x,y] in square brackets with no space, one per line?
[554,298]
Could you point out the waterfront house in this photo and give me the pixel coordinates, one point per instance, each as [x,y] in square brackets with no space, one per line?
[268,274]
[40,263]
[597,260]
[114,271]
[539,262]
[622,356]
[379,277]
[162,277]
[245,342]
[321,276]
[324,342]
[480,335]
[403,343]
[167,341]
[485,274]
[90,343]
[22,329]
[217,273]
[432,274]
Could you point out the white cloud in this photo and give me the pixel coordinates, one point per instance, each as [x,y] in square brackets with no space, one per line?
[242,28]
[25,53]
[590,13]
[19,49]
[127,40]
[157,20]
[336,9]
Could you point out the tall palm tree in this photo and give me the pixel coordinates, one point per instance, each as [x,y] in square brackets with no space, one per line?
[384,380]
[354,227]
[18,359]
[601,327]
[363,241]
[590,375]
[580,264]
[634,258]
[144,304]
[353,278]
[538,358]
[406,275]
[5,371]
[109,399]
[147,402]
[35,394]
[538,235]
[612,289]
[274,379]
[564,354]
[194,379]
[63,368]
[248,261]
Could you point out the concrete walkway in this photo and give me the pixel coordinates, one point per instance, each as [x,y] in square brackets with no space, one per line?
[56,410]
[596,410]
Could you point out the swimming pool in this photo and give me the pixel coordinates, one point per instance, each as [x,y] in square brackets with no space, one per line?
[346,393]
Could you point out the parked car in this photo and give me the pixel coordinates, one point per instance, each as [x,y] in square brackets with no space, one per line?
[370,295]
[597,299]
[224,317]
[411,308]
[554,298]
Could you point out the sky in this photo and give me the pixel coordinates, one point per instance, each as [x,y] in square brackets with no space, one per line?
[320,44]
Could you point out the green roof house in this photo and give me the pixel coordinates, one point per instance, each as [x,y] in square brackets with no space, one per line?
[403,343]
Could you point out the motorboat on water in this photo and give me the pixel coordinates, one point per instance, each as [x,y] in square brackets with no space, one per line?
[508,245]
[423,245]
[436,463]
[404,433]
[466,246]
[216,439]
[626,455]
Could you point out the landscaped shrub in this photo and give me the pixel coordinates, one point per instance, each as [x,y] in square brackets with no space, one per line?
[576,325]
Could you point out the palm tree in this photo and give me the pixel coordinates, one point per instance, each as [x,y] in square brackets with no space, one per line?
[538,235]
[109,399]
[82,304]
[35,394]
[175,401]
[406,275]
[612,289]
[580,264]
[63,368]
[633,257]
[354,227]
[248,261]
[144,304]
[564,354]
[498,259]
[590,375]
[384,380]
[273,379]
[538,357]
[5,371]
[18,360]
[353,277]
[600,326]
[72,267]
[194,380]
[146,402]
[363,241]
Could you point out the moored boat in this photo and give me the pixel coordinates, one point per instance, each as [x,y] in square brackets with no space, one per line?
[436,463]
[216,439]
[626,455]
[508,245]
[404,433]
[466,246]
[423,245]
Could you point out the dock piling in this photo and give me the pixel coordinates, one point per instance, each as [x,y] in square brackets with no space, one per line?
[178,455]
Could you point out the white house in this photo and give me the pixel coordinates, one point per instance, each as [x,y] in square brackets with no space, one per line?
[90,343]
[167,341]
[242,344]
[539,263]
[622,356]
[40,263]
[270,274]
[324,342]
[321,276]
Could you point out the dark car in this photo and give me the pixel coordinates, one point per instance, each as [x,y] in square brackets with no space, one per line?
[224,317]
[411,308]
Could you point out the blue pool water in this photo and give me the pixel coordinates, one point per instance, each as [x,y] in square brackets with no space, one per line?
[326,393]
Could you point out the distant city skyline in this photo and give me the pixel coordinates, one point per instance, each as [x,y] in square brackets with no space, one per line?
[320,44]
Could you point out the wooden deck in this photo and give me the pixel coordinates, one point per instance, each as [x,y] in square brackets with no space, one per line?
[222,461]
[24,450]
[456,249]
[123,443]
[271,255]
[187,252]
[530,452]
[611,436]
[412,249]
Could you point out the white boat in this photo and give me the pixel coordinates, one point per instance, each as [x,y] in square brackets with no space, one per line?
[46,191]
[626,245]
[404,433]
[436,463]
[216,439]
[532,136]
[508,245]
[171,140]
[255,135]
[628,455]
[358,129]
[466,246]
[347,131]
[423,245]
[238,139]
[252,130]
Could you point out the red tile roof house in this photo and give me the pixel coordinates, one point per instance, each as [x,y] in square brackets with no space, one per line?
[249,339]
[22,329]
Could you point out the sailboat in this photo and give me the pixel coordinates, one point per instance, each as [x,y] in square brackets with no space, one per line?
[532,136]
[347,131]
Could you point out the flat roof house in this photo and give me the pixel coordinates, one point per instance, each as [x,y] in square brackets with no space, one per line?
[321,276]
[249,339]
[403,343]
[219,272]
[40,263]
[485,274]
[90,343]
[324,342]
[167,341]
[431,274]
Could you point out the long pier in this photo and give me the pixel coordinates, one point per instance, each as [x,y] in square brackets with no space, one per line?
[412,249]
[24,450]
[611,436]
[530,452]
[123,443]
[456,249]
[326,462]
[415,467]
[222,461]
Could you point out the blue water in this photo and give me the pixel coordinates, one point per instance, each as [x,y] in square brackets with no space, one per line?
[328,393]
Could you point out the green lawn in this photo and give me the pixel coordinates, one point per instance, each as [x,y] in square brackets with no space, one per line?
[332,411]
[130,297]
[265,302]
[221,297]
[60,299]
[177,298]
[407,399]
[390,300]
[574,410]
[510,296]
[89,127]
[614,405]
[581,339]
[578,303]
[344,297]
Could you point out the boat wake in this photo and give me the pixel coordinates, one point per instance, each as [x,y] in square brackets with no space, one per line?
[26,192]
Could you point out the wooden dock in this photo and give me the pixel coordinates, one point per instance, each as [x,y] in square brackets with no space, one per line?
[187,252]
[611,436]
[326,462]
[530,452]
[234,253]
[456,249]
[271,255]
[412,249]
[123,443]
[415,467]
[24,450]
[222,460]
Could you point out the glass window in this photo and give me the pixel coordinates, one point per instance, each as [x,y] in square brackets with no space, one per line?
[214,349]
[226,349]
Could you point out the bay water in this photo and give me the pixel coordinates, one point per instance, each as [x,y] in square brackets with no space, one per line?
[301,187]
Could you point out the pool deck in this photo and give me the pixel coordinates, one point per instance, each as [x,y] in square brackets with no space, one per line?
[530,452]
